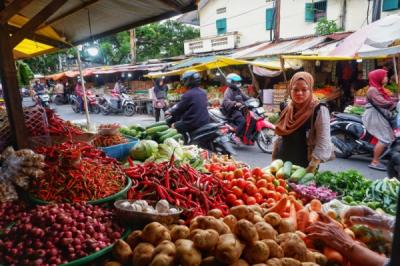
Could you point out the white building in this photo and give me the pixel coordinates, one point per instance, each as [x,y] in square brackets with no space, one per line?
[229,24]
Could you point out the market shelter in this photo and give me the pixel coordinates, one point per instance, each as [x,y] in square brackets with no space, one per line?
[74,22]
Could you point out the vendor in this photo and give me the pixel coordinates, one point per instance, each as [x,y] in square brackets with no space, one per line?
[335,237]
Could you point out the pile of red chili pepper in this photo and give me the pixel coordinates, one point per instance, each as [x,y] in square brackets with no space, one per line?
[75,172]
[182,186]
[58,126]
[106,141]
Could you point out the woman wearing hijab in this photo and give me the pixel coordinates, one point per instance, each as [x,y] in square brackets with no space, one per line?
[159,97]
[377,115]
[304,127]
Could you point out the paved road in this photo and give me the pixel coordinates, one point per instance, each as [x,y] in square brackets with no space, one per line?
[252,155]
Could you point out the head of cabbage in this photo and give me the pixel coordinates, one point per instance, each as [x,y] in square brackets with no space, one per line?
[144,150]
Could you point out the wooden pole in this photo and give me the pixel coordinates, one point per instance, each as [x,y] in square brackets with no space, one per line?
[12,95]
[85,103]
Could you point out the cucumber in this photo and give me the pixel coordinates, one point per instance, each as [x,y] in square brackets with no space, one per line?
[276,165]
[287,169]
[168,135]
[281,173]
[137,127]
[306,179]
[162,123]
[299,173]
[153,130]
[177,136]
[295,167]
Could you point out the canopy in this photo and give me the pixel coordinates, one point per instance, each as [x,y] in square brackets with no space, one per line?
[375,40]
[218,62]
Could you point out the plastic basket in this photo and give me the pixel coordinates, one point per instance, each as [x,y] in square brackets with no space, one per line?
[120,151]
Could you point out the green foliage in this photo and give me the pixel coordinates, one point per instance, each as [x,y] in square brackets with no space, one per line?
[24,73]
[325,27]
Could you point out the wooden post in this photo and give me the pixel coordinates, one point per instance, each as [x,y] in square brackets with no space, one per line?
[85,103]
[11,91]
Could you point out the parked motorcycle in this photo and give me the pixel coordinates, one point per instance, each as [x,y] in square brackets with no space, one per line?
[117,103]
[93,104]
[210,137]
[262,131]
[42,99]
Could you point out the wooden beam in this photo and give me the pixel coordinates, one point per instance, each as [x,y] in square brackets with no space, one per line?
[33,23]
[13,9]
[172,4]
[136,24]
[68,13]
[12,95]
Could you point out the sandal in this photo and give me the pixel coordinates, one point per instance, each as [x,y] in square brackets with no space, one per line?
[379,166]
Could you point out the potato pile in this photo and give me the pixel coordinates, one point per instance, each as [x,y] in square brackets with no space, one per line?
[247,236]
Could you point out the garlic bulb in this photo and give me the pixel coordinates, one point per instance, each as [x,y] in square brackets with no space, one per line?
[162,206]
[136,207]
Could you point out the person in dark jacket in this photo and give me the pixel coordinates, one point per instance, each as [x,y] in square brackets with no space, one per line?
[191,112]
[159,97]
[233,100]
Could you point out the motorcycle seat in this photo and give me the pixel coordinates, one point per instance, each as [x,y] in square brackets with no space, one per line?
[350,117]
[219,114]
[205,128]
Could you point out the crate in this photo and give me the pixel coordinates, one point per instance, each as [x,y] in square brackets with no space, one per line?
[120,151]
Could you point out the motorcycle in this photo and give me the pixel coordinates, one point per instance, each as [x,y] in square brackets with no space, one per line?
[350,137]
[92,103]
[262,132]
[42,98]
[117,103]
[211,137]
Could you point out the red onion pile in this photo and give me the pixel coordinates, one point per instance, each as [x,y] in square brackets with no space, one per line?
[57,234]
[9,213]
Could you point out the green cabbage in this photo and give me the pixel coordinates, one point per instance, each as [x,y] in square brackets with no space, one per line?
[144,150]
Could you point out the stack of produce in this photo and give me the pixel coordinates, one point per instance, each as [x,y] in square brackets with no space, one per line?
[356,110]
[182,186]
[248,236]
[108,136]
[60,127]
[322,93]
[57,234]
[150,151]
[248,186]
[77,171]
[17,169]
[158,132]
[361,92]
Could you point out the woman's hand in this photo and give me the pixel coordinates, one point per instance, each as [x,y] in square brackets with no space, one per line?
[331,234]
[366,216]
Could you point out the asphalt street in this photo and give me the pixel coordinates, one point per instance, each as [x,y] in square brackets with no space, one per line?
[251,155]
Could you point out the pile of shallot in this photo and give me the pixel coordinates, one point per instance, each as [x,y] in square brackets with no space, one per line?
[57,234]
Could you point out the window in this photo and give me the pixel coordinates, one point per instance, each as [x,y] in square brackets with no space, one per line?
[221,26]
[390,5]
[270,18]
[315,11]
[221,10]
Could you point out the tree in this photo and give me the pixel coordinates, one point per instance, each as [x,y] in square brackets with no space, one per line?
[325,27]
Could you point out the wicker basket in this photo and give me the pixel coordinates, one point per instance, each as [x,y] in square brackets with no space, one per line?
[140,219]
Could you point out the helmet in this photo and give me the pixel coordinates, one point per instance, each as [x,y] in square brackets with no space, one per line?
[191,78]
[234,81]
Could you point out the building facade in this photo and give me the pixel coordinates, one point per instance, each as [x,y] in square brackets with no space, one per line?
[229,24]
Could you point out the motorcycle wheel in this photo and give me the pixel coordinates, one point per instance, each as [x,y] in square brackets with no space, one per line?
[265,140]
[339,139]
[129,110]
[75,107]
[96,109]
[105,109]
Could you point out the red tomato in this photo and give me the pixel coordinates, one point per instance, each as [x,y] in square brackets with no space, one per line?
[218,175]
[238,173]
[245,170]
[282,182]
[270,186]
[271,194]
[246,175]
[257,171]
[238,202]
[263,191]
[228,184]
[278,196]
[259,198]
[280,189]
[231,167]
[231,198]
[285,215]
[241,183]
[251,189]
[229,176]
[233,182]
[237,191]
[244,197]
[270,201]
[251,201]
[261,183]
[270,178]
[251,179]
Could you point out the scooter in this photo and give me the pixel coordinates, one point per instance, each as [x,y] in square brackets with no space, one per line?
[92,102]
[117,103]
[42,98]
[258,129]
[211,137]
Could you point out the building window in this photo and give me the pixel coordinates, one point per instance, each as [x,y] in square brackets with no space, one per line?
[221,26]
[270,18]
[390,5]
[315,11]
[221,10]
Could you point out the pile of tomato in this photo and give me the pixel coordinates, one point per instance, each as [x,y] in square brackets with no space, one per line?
[249,186]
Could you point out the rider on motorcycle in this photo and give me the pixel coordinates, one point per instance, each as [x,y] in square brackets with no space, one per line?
[191,112]
[38,88]
[234,98]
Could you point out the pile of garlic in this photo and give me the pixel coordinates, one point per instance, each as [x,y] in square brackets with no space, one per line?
[162,207]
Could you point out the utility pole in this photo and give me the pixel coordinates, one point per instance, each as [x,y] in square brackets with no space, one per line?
[278,20]
[344,11]
[132,34]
